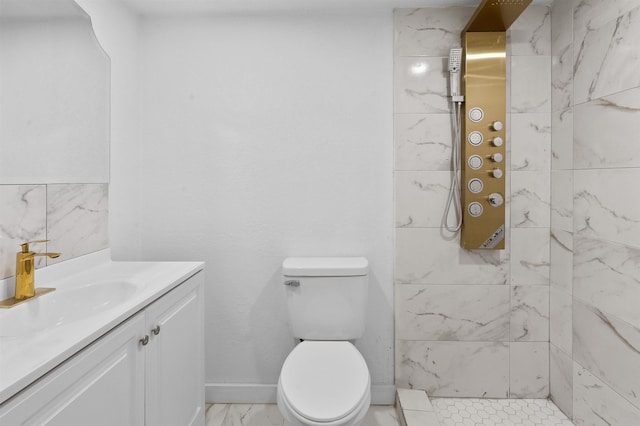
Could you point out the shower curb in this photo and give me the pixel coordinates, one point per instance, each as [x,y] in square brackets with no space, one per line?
[414,408]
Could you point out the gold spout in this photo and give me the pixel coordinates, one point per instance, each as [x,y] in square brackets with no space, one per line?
[496,15]
[25,272]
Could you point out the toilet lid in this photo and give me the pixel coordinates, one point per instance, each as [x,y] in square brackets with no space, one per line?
[324,381]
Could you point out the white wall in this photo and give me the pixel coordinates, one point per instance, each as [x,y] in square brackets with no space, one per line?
[265,136]
[116,29]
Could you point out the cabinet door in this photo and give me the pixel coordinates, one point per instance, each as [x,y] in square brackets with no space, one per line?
[175,357]
[101,385]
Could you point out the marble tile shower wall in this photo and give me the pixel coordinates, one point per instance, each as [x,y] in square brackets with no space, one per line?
[73,216]
[471,323]
[595,220]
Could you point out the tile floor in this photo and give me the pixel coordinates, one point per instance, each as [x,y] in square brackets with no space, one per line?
[269,415]
[495,412]
[418,410]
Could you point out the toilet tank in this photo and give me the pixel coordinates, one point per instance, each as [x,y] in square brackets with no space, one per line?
[326,296]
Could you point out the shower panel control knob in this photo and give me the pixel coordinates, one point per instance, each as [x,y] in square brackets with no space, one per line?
[475,185]
[495,199]
[497,141]
[476,114]
[497,157]
[496,173]
[475,138]
[475,209]
[475,162]
[497,126]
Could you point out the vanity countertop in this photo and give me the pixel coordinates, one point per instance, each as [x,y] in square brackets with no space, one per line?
[93,295]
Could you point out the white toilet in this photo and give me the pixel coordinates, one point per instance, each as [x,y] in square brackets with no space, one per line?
[325,380]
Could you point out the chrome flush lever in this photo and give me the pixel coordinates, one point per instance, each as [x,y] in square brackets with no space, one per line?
[292,283]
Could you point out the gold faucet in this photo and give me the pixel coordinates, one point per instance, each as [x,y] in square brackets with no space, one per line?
[25,269]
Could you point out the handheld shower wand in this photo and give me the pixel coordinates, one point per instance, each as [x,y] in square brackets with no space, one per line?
[455,62]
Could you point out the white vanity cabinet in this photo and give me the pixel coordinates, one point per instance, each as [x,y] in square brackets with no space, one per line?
[101,385]
[149,370]
[175,357]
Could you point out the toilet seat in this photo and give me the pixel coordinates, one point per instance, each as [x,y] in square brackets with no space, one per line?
[325,382]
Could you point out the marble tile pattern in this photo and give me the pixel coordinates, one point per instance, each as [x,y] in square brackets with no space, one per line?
[595,403]
[529,321]
[421,85]
[604,213]
[560,320]
[594,323]
[73,216]
[419,198]
[562,200]
[429,31]
[530,142]
[23,217]
[450,369]
[421,418]
[607,277]
[561,249]
[498,412]
[561,55]
[77,219]
[423,141]
[424,257]
[530,84]
[609,348]
[562,139]
[606,58]
[456,310]
[561,268]
[415,409]
[530,200]
[411,399]
[452,312]
[269,415]
[561,379]
[612,145]
[530,256]
[530,34]
[529,370]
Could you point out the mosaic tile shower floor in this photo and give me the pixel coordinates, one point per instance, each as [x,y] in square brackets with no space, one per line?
[498,412]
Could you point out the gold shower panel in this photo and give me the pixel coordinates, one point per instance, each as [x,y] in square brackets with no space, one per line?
[483,168]
[483,223]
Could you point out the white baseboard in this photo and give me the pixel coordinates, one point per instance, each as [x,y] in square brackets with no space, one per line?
[245,393]
[249,393]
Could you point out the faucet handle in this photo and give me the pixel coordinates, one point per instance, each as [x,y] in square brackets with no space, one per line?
[25,246]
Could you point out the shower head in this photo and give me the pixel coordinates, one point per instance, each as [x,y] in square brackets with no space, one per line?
[455,59]
[496,15]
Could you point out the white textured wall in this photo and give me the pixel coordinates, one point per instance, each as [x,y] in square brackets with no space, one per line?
[266,136]
[116,29]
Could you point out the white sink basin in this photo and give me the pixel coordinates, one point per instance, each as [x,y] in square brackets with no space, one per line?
[65,306]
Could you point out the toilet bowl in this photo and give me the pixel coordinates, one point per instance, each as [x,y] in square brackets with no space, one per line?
[325,380]
[324,383]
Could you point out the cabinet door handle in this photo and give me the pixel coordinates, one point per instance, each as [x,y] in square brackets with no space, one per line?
[144,340]
[156,330]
